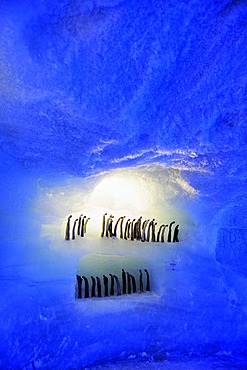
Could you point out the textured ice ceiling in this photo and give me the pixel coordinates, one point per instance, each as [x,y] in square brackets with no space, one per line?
[92,85]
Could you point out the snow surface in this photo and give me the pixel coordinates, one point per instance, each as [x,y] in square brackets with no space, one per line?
[130,108]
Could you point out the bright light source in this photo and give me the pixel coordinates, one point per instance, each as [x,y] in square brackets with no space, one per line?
[121,191]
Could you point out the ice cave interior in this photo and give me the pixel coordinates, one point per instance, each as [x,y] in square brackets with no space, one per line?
[125,108]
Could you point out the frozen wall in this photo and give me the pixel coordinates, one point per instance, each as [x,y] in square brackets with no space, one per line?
[150,96]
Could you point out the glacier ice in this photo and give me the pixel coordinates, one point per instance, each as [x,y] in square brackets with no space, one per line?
[130,108]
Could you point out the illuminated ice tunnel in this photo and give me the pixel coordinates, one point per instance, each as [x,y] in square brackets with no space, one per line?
[123,184]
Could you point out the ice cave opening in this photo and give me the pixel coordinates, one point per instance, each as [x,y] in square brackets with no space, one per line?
[123,184]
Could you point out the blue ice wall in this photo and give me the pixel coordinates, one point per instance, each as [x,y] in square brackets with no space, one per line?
[93,86]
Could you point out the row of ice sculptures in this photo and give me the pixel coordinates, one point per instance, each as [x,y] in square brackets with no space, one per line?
[133,229]
[129,285]
[80,230]
[138,230]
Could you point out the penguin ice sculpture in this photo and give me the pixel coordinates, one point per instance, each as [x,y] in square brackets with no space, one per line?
[133,283]
[116,225]
[118,285]
[141,281]
[132,229]
[153,231]
[138,228]
[108,231]
[175,235]
[105,280]
[73,231]
[128,283]
[169,239]
[126,229]
[159,232]
[103,226]
[98,287]
[85,225]
[79,225]
[147,281]
[79,286]
[112,285]
[144,226]
[93,289]
[163,234]
[124,281]
[121,227]
[110,226]
[67,233]
[86,293]
[149,228]
[82,226]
